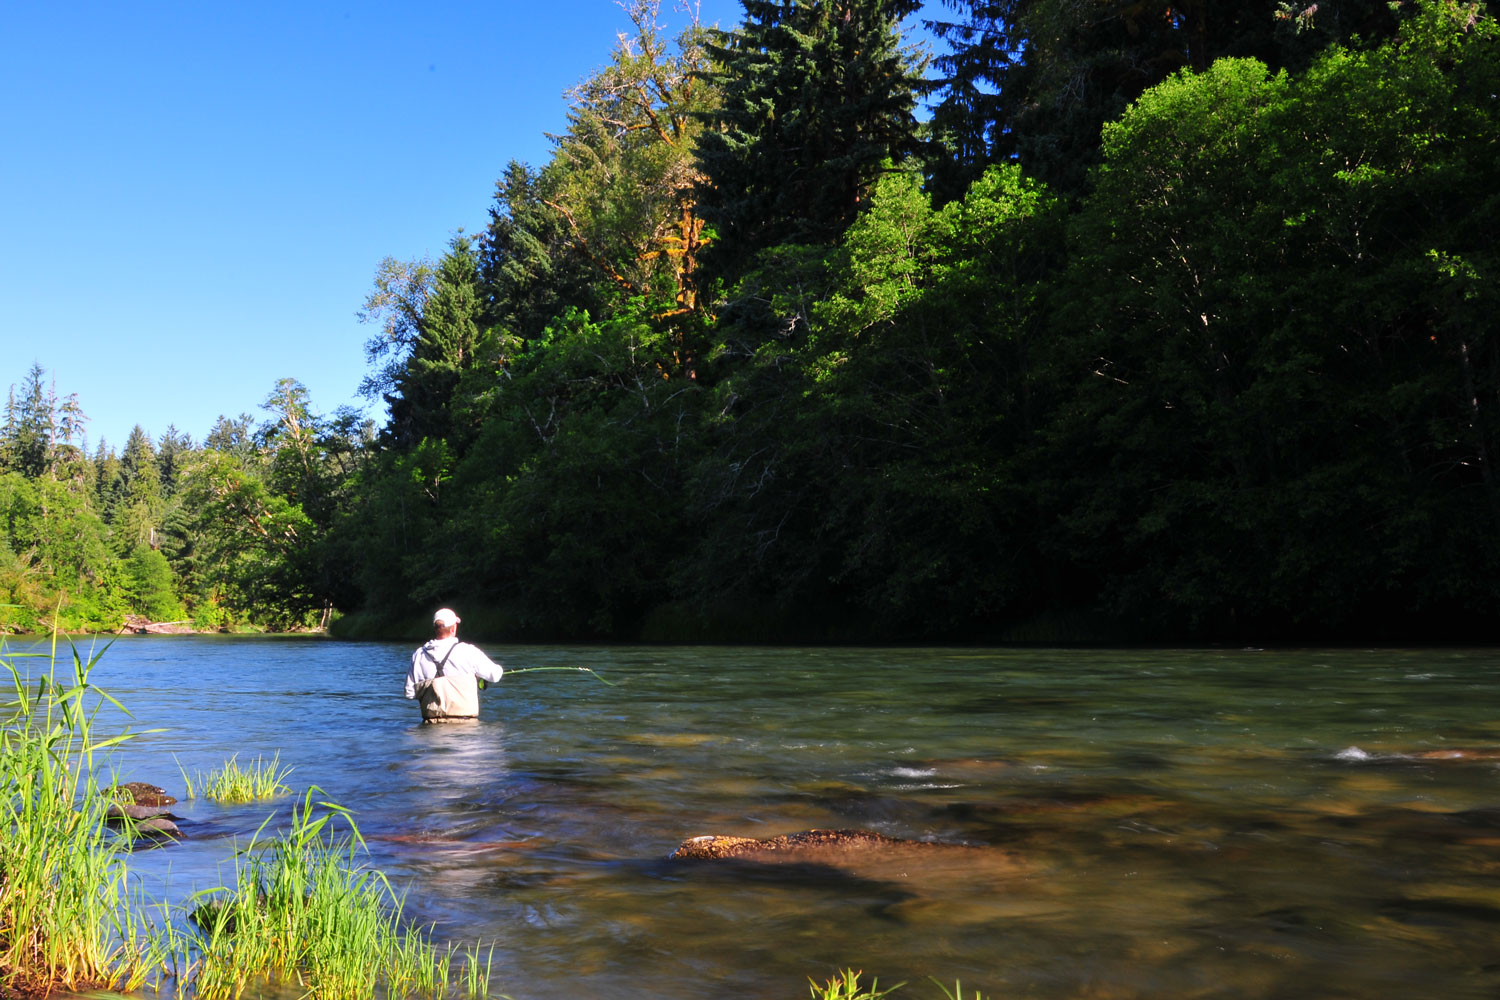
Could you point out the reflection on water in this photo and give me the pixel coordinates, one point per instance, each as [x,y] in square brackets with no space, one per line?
[1138,823]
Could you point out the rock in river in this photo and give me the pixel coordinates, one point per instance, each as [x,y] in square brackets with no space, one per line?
[812,845]
[920,866]
[148,805]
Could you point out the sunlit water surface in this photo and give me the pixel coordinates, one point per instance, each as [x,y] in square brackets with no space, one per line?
[1145,824]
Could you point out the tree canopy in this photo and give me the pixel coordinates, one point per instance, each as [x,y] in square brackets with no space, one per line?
[1172,322]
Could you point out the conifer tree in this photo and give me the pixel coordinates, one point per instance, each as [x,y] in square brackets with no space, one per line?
[31,425]
[138,505]
[172,447]
[817,96]
[529,268]
[450,340]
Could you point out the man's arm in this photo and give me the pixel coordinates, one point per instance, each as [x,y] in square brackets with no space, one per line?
[483,667]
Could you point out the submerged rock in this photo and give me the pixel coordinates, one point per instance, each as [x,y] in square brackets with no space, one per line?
[117,810]
[816,845]
[858,857]
[1396,757]
[156,827]
[1459,753]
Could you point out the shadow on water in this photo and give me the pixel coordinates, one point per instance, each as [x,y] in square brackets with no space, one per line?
[1131,824]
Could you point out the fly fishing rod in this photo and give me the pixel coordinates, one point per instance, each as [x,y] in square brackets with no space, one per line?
[587,670]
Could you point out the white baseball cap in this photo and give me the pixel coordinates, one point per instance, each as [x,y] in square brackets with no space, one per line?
[445,616]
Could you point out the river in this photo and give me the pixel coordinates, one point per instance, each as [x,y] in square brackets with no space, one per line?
[1146,823]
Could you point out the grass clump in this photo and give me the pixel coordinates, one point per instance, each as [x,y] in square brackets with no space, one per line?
[303,909]
[238,783]
[67,915]
[845,986]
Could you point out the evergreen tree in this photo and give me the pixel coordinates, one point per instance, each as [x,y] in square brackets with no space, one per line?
[31,425]
[232,435]
[449,342]
[529,267]
[108,485]
[138,507]
[817,98]
[138,461]
[71,421]
[8,432]
[171,449]
[150,586]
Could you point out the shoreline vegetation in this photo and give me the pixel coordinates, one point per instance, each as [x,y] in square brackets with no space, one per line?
[1165,327]
[302,907]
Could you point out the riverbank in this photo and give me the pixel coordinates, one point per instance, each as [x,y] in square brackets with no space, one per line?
[139,625]
[746,623]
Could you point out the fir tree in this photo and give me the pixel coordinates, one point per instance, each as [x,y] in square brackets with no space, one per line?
[817,97]
[449,342]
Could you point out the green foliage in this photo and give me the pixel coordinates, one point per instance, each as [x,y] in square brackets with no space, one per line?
[1036,79]
[1239,384]
[250,542]
[1285,400]
[55,560]
[623,178]
[30,424]
[449,342]
[149,586]
[867,449]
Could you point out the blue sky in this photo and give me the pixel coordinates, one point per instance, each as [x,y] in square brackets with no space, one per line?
[194,196]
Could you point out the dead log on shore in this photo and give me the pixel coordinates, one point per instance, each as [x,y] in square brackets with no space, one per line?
[141,625]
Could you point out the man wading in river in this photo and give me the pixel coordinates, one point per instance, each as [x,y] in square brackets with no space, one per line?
[445,673]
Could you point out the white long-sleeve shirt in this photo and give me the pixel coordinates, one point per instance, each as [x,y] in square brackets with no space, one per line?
[464,659]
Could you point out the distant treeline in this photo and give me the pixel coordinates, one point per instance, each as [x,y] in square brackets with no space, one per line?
[1172,321]
[221,535]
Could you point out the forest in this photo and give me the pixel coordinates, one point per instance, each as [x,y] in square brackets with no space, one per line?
[1112,320]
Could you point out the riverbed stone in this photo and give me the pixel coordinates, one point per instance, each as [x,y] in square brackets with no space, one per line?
[158,827]
[148,807]
[119,810]
[795,846]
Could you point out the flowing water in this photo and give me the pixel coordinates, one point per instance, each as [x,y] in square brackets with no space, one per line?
[1139,824]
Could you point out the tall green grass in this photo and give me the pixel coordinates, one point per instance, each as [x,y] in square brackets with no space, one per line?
[68,917]
[302,908]
[235,782]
